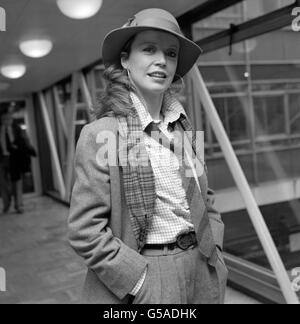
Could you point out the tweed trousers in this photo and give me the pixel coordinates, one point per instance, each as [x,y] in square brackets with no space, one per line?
[182,277]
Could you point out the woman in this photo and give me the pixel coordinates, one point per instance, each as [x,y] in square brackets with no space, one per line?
[147,232]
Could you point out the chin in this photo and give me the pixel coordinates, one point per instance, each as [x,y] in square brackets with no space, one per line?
[158,89]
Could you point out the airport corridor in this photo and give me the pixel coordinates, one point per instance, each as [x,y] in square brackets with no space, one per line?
[40,266]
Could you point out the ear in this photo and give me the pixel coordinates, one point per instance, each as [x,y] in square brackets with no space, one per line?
[124,60]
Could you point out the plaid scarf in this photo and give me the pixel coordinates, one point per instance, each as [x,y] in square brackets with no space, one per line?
[138,178]
[139,182]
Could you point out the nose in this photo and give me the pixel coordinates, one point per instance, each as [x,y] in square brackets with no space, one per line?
[161,59]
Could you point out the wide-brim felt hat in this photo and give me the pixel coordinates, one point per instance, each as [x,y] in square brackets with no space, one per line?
[150,19]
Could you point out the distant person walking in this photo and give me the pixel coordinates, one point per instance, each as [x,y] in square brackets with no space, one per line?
[5,183]
[15,154]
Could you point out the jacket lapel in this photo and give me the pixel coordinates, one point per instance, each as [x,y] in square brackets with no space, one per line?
[198,204]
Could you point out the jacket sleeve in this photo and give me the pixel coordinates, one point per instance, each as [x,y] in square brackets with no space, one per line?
[116,265]
[216,222]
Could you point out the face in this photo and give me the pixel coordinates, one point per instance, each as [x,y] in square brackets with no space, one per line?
[152,61]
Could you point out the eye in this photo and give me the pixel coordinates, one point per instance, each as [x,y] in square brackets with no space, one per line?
[149,49]
[172,53]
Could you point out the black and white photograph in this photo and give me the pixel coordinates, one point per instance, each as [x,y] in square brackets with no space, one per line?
[149,154]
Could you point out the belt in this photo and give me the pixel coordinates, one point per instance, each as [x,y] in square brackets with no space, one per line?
[183,241]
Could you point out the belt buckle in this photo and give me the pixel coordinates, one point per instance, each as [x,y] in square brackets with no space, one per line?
[185,240]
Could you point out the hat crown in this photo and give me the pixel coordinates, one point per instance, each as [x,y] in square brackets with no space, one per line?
[148,19]
[156,18]
[155,13]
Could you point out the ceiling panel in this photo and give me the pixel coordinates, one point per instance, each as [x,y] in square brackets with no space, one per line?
[77,43]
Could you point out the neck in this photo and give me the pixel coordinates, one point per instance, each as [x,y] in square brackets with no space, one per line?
[152,103]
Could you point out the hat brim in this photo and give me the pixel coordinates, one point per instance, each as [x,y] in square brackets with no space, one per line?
[115,41]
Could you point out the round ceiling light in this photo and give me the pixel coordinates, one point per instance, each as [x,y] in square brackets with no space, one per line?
[13,71]
[36,48]
[79,9]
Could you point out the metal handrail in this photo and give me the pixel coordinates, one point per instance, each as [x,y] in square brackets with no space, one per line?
[244,188]
[253,279]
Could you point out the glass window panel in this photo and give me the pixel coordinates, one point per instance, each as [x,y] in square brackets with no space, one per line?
[294,105]
[64,91]
[241,239]
[273,165]
[79,96]
[215,88]
[269,115]
[294,159]
[271,161]
[237,122]
[232,111]
[82,116]
[219,73]
[219,175]
[236,14]
[271,5]
[220,104]
[275,72]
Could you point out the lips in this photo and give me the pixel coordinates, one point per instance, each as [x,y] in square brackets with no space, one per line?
[160,75]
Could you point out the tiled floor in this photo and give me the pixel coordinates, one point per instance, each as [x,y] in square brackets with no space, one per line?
[40,266]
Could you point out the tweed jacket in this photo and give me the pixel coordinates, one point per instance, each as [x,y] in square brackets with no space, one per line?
[100,229]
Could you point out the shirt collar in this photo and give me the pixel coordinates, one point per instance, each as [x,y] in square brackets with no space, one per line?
[171,110]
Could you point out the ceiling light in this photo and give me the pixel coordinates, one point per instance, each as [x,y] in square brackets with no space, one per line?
[36,48]
[13,71]
[79,9]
